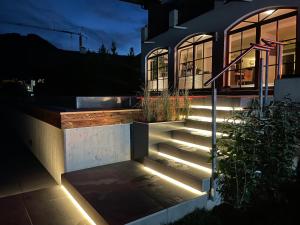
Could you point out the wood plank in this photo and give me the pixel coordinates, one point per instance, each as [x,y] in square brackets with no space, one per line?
[97,118]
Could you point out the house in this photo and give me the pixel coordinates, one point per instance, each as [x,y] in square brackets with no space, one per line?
[187,42]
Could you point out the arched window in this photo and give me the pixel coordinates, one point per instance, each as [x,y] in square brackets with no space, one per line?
[194,62]
[274,24]
[157,66]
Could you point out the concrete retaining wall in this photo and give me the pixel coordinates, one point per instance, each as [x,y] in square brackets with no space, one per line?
[44,140]
[65,150]
[95,146]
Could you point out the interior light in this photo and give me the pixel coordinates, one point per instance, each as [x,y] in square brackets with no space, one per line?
[76,204]
[269,12]
[173,181]
[194,165]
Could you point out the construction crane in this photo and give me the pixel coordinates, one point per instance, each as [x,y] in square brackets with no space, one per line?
[79,34]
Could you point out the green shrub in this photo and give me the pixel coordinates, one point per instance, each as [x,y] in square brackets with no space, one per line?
[257,155]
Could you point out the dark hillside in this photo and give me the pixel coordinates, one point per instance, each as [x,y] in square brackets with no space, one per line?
[66,72]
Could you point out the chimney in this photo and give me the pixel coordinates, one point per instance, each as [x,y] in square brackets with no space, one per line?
[173,18]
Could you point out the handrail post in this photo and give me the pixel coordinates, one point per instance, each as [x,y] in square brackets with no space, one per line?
[214,141]
[261,67]
[266,79]
[279,61]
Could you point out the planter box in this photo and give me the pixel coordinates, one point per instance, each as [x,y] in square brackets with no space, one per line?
[146,136]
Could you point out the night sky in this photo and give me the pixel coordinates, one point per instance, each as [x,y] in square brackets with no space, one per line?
[100,20]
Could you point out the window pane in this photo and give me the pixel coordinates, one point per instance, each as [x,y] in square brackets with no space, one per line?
[280,12]
[235,42]
[288,68]
[253,19]
[208,49]
[271,76]
[160,84]
[249,60]
[247,77]
[289,53]
[207,66]
[199,51]
[241,25]
[234,78]
[198,82]
[183,56]
[163,72]
[189,82]
[181,83]
[268,31]
[206,77]
[185,82]
[190,54]
[249,36]
[199,67]
[287,29]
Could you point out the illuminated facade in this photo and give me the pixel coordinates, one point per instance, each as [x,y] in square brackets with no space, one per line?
[201,44]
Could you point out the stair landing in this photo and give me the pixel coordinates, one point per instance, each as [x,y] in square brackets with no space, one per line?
[126,193]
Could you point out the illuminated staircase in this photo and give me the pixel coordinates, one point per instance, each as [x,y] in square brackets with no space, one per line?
[185,157]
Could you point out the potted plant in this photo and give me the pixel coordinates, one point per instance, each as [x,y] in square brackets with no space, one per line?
[160,114]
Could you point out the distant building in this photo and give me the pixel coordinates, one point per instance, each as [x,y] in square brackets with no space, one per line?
[186,41]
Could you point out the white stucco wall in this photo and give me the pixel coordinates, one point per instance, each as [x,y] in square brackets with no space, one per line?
[95,146]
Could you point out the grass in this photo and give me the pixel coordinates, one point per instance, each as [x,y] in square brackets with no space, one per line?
[285,212]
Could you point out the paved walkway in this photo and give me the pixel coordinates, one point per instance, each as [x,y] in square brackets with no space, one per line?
[28,194]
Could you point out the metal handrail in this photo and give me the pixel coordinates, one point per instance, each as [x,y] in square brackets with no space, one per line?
[269,45]
[253,46]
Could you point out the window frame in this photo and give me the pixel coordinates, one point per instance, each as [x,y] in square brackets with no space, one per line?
[155,56]
[193,45]
[258,26]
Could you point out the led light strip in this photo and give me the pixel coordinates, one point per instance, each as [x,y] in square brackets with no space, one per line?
[76,204]
[209,119]
[191,145]
[220,108]
[206,133]
[196,166]
[173,181]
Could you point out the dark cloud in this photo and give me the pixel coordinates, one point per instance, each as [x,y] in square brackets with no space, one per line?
[100,20]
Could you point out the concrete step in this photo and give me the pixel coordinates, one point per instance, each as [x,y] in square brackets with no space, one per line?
[185,152]
[204,125]
[206,112]
[127,193]
[193,137]
[227,101]
[195,178]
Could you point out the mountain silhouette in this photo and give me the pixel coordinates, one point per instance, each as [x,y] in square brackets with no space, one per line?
[66,73]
